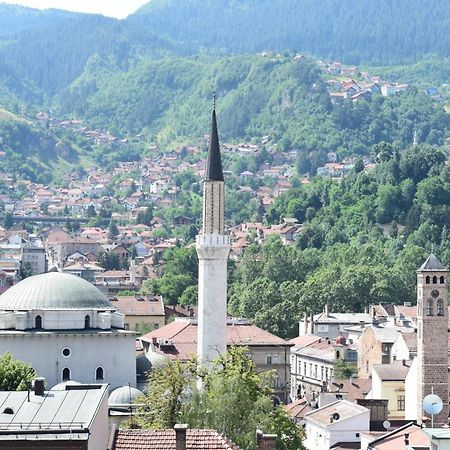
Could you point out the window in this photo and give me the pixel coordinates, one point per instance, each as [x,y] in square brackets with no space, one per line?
[126,326]
[400,402]
[38,323]
[326,373]
[276,358]
[99,374]
[322,373]
[442,279]
[435,279]
[440,307]
[338,354]
[87,322]
[268,358]
[66,352]
[304,368]
[429,307]
[66,374]
[427,279]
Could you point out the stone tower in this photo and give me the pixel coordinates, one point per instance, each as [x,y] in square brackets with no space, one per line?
[432,336]
[213,246]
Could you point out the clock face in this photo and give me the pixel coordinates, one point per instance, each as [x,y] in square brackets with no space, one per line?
[435,293]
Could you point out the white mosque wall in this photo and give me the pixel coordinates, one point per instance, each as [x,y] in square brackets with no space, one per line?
[113,351]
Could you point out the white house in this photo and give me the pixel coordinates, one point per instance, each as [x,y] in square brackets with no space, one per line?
[341,421]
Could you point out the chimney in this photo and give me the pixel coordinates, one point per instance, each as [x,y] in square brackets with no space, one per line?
[133,271]
[39,386]
[361,324]
[180,436]
[265,441]
[406,438]
[311,325]
[326,310]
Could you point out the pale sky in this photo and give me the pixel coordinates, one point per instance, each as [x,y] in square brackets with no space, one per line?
[112,8]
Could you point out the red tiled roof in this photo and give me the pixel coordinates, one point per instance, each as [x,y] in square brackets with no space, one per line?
[165,440]
[131,306]
[183,334]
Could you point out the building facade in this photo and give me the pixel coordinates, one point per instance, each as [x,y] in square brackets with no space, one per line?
[67,330]
[432,336]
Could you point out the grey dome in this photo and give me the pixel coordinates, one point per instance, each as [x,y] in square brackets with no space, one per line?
[54,290]
[124,395]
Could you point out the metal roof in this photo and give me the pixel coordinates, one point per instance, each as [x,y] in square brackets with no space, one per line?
[432,264]
[54,413]
[55,291]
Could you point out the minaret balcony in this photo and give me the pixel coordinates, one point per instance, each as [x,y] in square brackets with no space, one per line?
[213,240]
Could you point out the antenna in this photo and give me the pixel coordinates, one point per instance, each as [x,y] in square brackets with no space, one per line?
[432,404]
[386,424]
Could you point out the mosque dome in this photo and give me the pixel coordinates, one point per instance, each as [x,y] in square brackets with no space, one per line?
[54,291]
[341,340]
[124,396]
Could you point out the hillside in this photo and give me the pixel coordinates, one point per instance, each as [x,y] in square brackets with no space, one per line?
[278,97]
[354,31]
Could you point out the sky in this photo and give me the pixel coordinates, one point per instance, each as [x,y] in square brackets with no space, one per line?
[112,8]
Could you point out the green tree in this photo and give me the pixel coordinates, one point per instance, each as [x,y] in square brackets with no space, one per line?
[113,231]
[343,370]
[109,261]
[15,375]
[25,270]
[8,221]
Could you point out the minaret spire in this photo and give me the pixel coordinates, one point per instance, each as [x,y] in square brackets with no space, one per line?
[214,163]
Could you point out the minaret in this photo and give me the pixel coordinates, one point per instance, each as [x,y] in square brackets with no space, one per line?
[432,336]
[213,246]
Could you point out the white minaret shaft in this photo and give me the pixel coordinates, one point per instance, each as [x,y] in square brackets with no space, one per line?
[213,247]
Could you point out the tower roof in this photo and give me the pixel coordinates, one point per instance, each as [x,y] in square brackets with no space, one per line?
[432,264]
[214,164]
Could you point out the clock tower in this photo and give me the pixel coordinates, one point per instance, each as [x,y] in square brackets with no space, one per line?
[432,336]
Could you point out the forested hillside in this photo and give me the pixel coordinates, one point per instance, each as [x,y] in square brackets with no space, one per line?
[354,31]
[258,96]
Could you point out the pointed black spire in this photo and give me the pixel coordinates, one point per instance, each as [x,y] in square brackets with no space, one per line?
[214,163]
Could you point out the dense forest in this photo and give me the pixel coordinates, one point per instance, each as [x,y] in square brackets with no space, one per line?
[354,31]
[361,241]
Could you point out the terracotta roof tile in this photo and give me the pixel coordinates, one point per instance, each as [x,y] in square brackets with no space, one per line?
[165,440]
[131,306]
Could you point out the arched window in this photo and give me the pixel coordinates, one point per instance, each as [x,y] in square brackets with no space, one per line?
[427,279]
[99,374]
[429,307]
[38,323]
[435,279]
[442,279]
[87,322]
[440,307]
[338,354]
[66,374]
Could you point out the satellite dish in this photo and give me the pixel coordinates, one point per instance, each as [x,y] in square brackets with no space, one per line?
[432,404]
[386,424]
[336,416]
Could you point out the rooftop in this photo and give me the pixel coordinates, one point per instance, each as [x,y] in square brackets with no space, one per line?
[54,412]
[165,440]
[53,291]
[432,264]
[345,410]
[395,371]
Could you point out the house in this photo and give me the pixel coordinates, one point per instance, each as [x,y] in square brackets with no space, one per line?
[313,360]
[408,436]
[141,312]
[328,324]
[374,347]
[178,340]
[338,422]
[388,382]
[72,418]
